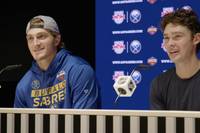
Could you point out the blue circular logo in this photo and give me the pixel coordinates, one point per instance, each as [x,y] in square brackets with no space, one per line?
[35,84]
[135,46]
[135,16]
[137,77]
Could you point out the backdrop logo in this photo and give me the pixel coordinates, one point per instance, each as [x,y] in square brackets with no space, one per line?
[118,17]
[187,8]
[152,61]
[117,74]
[135,16]
[137,77]
[166,10]
[135,46]
[152,30]
[118,47]
[151,1]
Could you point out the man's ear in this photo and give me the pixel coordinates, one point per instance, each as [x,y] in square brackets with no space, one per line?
[57,40]
[196,38]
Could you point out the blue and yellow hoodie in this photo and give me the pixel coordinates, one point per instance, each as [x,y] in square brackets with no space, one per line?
[69,82]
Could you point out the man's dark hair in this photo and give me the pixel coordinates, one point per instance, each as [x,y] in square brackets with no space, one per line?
[184,17]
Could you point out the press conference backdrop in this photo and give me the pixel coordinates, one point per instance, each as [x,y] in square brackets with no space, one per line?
[127,35]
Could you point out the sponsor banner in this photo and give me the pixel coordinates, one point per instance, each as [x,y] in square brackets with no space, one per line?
[128,35]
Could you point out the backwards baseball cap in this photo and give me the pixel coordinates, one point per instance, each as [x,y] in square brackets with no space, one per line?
[48,23]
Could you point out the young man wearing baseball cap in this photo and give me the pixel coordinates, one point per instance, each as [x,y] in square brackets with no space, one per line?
[56,78]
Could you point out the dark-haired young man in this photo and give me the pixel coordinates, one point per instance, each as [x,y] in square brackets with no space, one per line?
[179,88]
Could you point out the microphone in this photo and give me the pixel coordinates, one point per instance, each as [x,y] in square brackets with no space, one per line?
[125,85]
[10,67]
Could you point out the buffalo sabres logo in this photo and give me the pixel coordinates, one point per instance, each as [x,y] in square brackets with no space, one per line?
[61,75]
[135,16]
[135,46]
[35,84]
[137,77]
